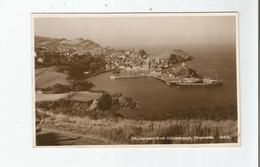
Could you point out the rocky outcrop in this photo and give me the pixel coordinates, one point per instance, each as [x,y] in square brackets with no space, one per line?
[94,105]
[181,70]
[124,102]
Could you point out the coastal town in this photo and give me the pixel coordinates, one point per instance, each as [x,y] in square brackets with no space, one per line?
[130,63]
[174,71]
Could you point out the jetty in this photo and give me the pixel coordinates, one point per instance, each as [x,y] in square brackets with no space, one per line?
[127,76]
[212,83]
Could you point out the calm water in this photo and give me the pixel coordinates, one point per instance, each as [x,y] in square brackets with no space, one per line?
[156,98]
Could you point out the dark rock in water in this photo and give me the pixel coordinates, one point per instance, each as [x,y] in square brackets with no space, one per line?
[126,102]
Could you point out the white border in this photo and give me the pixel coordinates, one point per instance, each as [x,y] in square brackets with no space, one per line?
[16,96]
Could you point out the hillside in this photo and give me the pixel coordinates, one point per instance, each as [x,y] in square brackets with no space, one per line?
[61,42]
[181,70]
[66,46]
[179,55]
[43,40]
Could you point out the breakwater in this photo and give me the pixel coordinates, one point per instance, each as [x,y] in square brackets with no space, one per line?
[174,82]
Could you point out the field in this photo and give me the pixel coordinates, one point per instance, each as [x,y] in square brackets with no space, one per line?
[84,96]
[76,96]
[47,76]
[50,97]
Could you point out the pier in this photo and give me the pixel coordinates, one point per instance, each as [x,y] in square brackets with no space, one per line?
[175,82]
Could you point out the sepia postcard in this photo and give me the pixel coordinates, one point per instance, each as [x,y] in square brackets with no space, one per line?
[136,79]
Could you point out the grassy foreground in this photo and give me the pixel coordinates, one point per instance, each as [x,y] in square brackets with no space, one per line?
[126,131]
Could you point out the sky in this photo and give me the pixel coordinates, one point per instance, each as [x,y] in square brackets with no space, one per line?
[132,31]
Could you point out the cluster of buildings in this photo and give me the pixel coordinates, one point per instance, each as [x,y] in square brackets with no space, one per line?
[134,61]
[129,60]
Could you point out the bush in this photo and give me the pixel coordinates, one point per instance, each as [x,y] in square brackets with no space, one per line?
[78,64]
[81,85]
[75,72]
[57,88]
[105,102]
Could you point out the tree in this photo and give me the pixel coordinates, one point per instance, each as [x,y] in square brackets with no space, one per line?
[75,72]
[78,64]
[143,53]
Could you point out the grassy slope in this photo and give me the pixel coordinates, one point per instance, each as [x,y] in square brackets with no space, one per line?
[49,137]
[45,77]
[121,130]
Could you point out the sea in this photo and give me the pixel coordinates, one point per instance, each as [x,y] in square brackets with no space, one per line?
[157,99]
